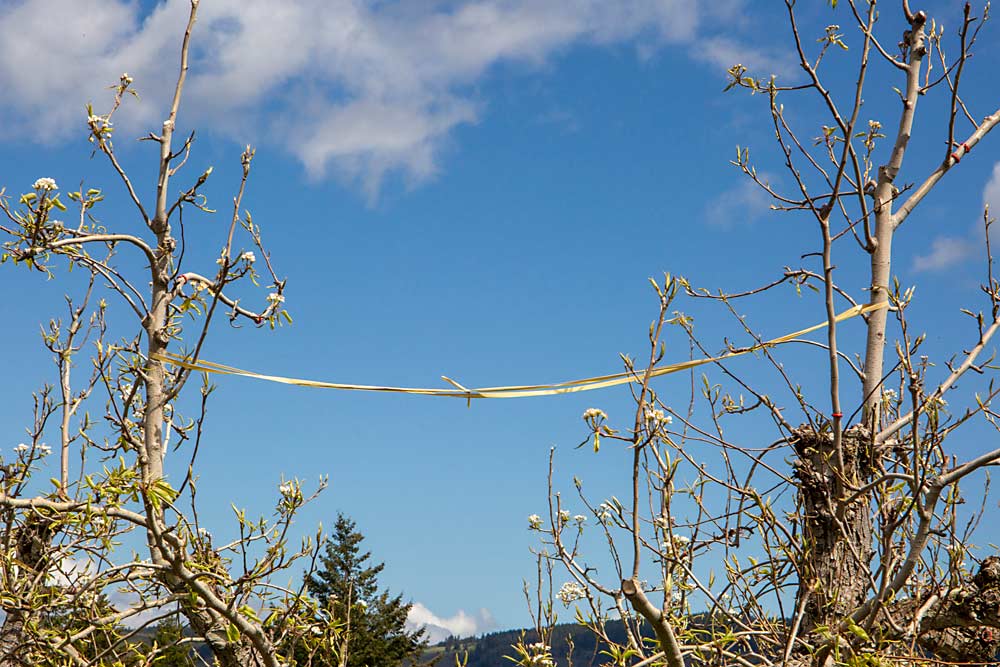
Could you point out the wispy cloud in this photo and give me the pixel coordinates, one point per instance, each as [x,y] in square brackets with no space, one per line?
[991,193]
[459,625]
[742,204]
[947,251]
[724,52]
[359,88]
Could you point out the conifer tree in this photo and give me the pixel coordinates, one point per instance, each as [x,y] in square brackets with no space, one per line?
[172,653]
[373,622]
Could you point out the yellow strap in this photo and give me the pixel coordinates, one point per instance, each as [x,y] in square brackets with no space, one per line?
[512,391]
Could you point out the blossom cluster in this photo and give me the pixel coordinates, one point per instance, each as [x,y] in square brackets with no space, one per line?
[45,184]
[539,655]
[936,402]
[676,543]
[571,592]
[42,449]
[658,417]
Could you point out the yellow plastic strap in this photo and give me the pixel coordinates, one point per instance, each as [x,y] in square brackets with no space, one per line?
[511,391]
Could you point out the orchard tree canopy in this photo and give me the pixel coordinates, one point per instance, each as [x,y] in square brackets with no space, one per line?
[815,499]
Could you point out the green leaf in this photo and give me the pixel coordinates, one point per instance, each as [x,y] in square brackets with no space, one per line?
[160,491]
[249,612]
[857,630]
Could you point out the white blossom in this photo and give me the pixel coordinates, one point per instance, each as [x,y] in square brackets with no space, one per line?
[248,257]
[21,448]
[540,656]
[125,78]
[534,522]
[45,184]
[286,489]
[571,592]
[274,297]
[44,449]
[658,417]
[579,519]
[678,543]
[594,413]
[563,516]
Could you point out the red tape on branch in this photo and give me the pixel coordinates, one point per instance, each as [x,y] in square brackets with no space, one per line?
[958,158]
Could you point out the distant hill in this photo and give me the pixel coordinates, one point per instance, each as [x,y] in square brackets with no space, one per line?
[490,650]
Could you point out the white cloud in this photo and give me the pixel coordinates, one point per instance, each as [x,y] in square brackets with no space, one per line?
[742,204]
[364,88]
[70,571]
[724,52]
[946,251]
[459,625]
[991,193]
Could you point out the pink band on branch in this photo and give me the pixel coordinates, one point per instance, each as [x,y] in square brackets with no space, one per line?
[958,158]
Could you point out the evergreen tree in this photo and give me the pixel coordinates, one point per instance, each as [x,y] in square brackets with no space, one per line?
[168,633]
[346,585]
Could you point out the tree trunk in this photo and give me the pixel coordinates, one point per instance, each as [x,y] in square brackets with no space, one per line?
[31,547]
[835,562]
[959,624]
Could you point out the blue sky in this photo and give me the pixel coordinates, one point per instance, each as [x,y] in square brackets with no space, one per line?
[474,189]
